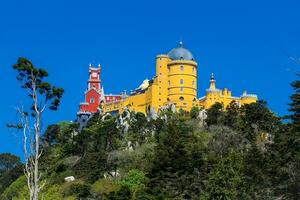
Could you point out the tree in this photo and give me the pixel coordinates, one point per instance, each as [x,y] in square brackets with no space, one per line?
[286,149]
[232,115]
[215,114]
[8,161]
[295,106]
[42,95]
[257,120]
[10,169]
[226,179]
[134,180]
[194,113]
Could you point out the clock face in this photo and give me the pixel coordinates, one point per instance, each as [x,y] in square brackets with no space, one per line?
[94,74]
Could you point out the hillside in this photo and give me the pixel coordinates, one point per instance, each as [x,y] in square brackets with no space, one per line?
[236,153]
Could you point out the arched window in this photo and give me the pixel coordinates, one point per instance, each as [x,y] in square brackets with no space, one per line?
[181,81]
[181,98]
[193,83]
[181,68]
[92,100]
[169,83]
[181,89]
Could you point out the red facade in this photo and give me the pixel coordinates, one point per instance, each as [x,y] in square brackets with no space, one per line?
[94,93]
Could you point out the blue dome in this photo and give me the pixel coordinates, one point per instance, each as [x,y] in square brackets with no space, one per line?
[180,53]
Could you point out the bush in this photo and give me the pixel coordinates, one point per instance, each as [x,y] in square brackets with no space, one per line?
[194,112]
[134,179]
[78,189]
[104,186]
[14,190]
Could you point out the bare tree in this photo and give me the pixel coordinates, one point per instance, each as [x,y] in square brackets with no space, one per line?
[42,95]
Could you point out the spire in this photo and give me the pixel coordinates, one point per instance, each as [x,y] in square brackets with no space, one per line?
[212,85]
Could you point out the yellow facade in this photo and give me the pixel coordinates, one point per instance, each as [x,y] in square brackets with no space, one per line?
[175,82]
[214,95]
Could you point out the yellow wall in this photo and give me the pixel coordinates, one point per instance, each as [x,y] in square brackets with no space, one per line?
[167,88]
[182,94]
[161,98]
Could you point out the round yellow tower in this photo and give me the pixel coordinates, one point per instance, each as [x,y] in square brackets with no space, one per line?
[182,78]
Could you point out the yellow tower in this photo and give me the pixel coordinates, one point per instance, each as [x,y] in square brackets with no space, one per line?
[182,78]
[162,80]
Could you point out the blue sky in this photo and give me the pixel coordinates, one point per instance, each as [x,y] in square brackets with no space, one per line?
[246,44]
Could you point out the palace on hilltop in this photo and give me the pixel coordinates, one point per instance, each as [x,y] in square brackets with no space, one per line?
[175,82]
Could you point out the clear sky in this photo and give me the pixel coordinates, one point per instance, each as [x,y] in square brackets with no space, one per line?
[246,44]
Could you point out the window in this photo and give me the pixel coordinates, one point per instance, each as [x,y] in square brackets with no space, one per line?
[181,68]
[168,68]
[169,83]
[92,100]
[94,74]
[193,83]
[181,89]
[181,81]
[181,98]
[193,69]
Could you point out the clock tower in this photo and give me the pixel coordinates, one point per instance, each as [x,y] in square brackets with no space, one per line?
[93,93]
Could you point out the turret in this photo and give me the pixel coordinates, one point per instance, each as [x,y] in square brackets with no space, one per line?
[162,81]
[182,82]
[212,82]
[248,98]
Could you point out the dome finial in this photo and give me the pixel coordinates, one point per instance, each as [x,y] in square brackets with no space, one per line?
[212,76]
[180,43]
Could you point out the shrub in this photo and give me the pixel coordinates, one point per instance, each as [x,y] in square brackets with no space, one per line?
[79,189]
[104,186]
[15,189]
[134,179]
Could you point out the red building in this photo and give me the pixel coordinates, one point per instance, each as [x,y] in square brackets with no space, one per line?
[95,93]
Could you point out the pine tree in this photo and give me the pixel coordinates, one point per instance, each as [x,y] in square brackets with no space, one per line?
[295,106]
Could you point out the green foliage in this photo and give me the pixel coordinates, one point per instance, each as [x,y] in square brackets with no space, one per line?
[174,156]
[294,105]
[257,118]
[215,114]
[178,160]
[77,188]
[103,187]
[8,161]
[133,180]
[91,166]
[194,113]
[17,188]
[32,79]
[140,158]
[10,169]
[226,180]
[123,193]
